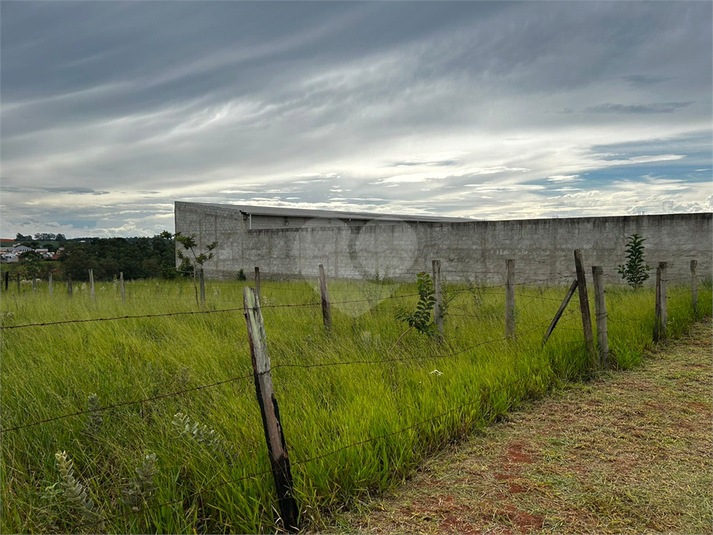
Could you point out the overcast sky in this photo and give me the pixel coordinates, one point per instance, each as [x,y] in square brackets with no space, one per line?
[111,111]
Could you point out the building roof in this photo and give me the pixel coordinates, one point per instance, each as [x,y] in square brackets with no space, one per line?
[330,214]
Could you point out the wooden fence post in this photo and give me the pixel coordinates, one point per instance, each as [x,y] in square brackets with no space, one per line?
[91,283]
[34,285]
[510,299]
[438,294]
[657,313]
[270,412]
[324,293]
[694,288]
[601,315]
[121,282]
[560,311]
[69,285]
[660,325]
[7,280]
[584,305]
[201,282]
[257,283]
[664,298]
[50,283]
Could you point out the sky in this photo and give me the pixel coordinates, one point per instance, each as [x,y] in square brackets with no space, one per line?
[111,111]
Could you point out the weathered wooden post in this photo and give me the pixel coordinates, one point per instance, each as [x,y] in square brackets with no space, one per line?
[91,283]
[201,282]
[584,305]
[34,285]
[50,283]
[657,307]
[510,299]
[660,325]
[664,298]
[121,283]
[69,285]
[694,288]
[276,447]
[7,280]
[438,294]
[324,294]
[601,315]
[257,283]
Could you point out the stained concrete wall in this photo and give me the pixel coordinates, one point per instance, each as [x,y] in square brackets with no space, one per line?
[476,251]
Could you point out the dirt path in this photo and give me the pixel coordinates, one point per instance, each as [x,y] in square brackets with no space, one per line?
[630,453]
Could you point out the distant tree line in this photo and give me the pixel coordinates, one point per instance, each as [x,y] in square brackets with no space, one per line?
[137,258]
[40,236]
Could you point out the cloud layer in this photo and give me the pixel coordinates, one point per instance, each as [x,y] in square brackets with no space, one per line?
[111,111]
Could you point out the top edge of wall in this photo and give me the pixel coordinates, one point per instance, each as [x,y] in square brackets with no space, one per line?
[213,208]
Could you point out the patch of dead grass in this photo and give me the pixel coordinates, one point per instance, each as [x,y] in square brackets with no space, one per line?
[627,453]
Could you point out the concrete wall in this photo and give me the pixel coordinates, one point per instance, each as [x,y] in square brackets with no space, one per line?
[476,251]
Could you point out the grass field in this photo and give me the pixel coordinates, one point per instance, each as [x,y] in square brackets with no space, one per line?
[417,395]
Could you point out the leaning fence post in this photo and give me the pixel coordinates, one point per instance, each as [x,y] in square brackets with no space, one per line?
[584,305]
[91,283]
[50,283]
[69,285]
[201,282]
[660,325]
[694,288]
[438,294]
[121,283]
[324,293]
[560,311]
[601,315]
[257,283]
[510,299]
[270,412]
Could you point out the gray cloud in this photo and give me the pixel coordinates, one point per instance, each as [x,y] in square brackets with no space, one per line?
[643,80]
[53,189]
[656,107]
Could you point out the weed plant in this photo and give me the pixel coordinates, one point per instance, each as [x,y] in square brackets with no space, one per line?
[215,474]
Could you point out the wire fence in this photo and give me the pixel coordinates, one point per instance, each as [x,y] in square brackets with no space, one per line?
[527,294]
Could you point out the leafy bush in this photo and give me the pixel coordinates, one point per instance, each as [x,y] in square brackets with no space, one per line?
[420,319]
[635,270]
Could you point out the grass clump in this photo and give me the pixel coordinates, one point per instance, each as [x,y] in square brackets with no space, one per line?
[142,486]
[69,497]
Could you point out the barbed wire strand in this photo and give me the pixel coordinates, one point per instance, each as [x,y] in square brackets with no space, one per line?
[312,459]
[125,403]
[191,312]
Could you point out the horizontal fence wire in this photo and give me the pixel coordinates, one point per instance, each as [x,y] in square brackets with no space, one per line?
[399,359]
[274,367]
[611,319]
[192,312]
[126,403]
[302,462]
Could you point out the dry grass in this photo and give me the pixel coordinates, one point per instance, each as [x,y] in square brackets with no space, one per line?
[627,453]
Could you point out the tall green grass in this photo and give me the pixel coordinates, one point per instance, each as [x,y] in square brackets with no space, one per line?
[417,395]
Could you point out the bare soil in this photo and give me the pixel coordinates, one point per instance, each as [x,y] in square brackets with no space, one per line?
[630,452]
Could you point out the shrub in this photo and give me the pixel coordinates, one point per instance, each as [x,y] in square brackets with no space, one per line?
[635,270]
